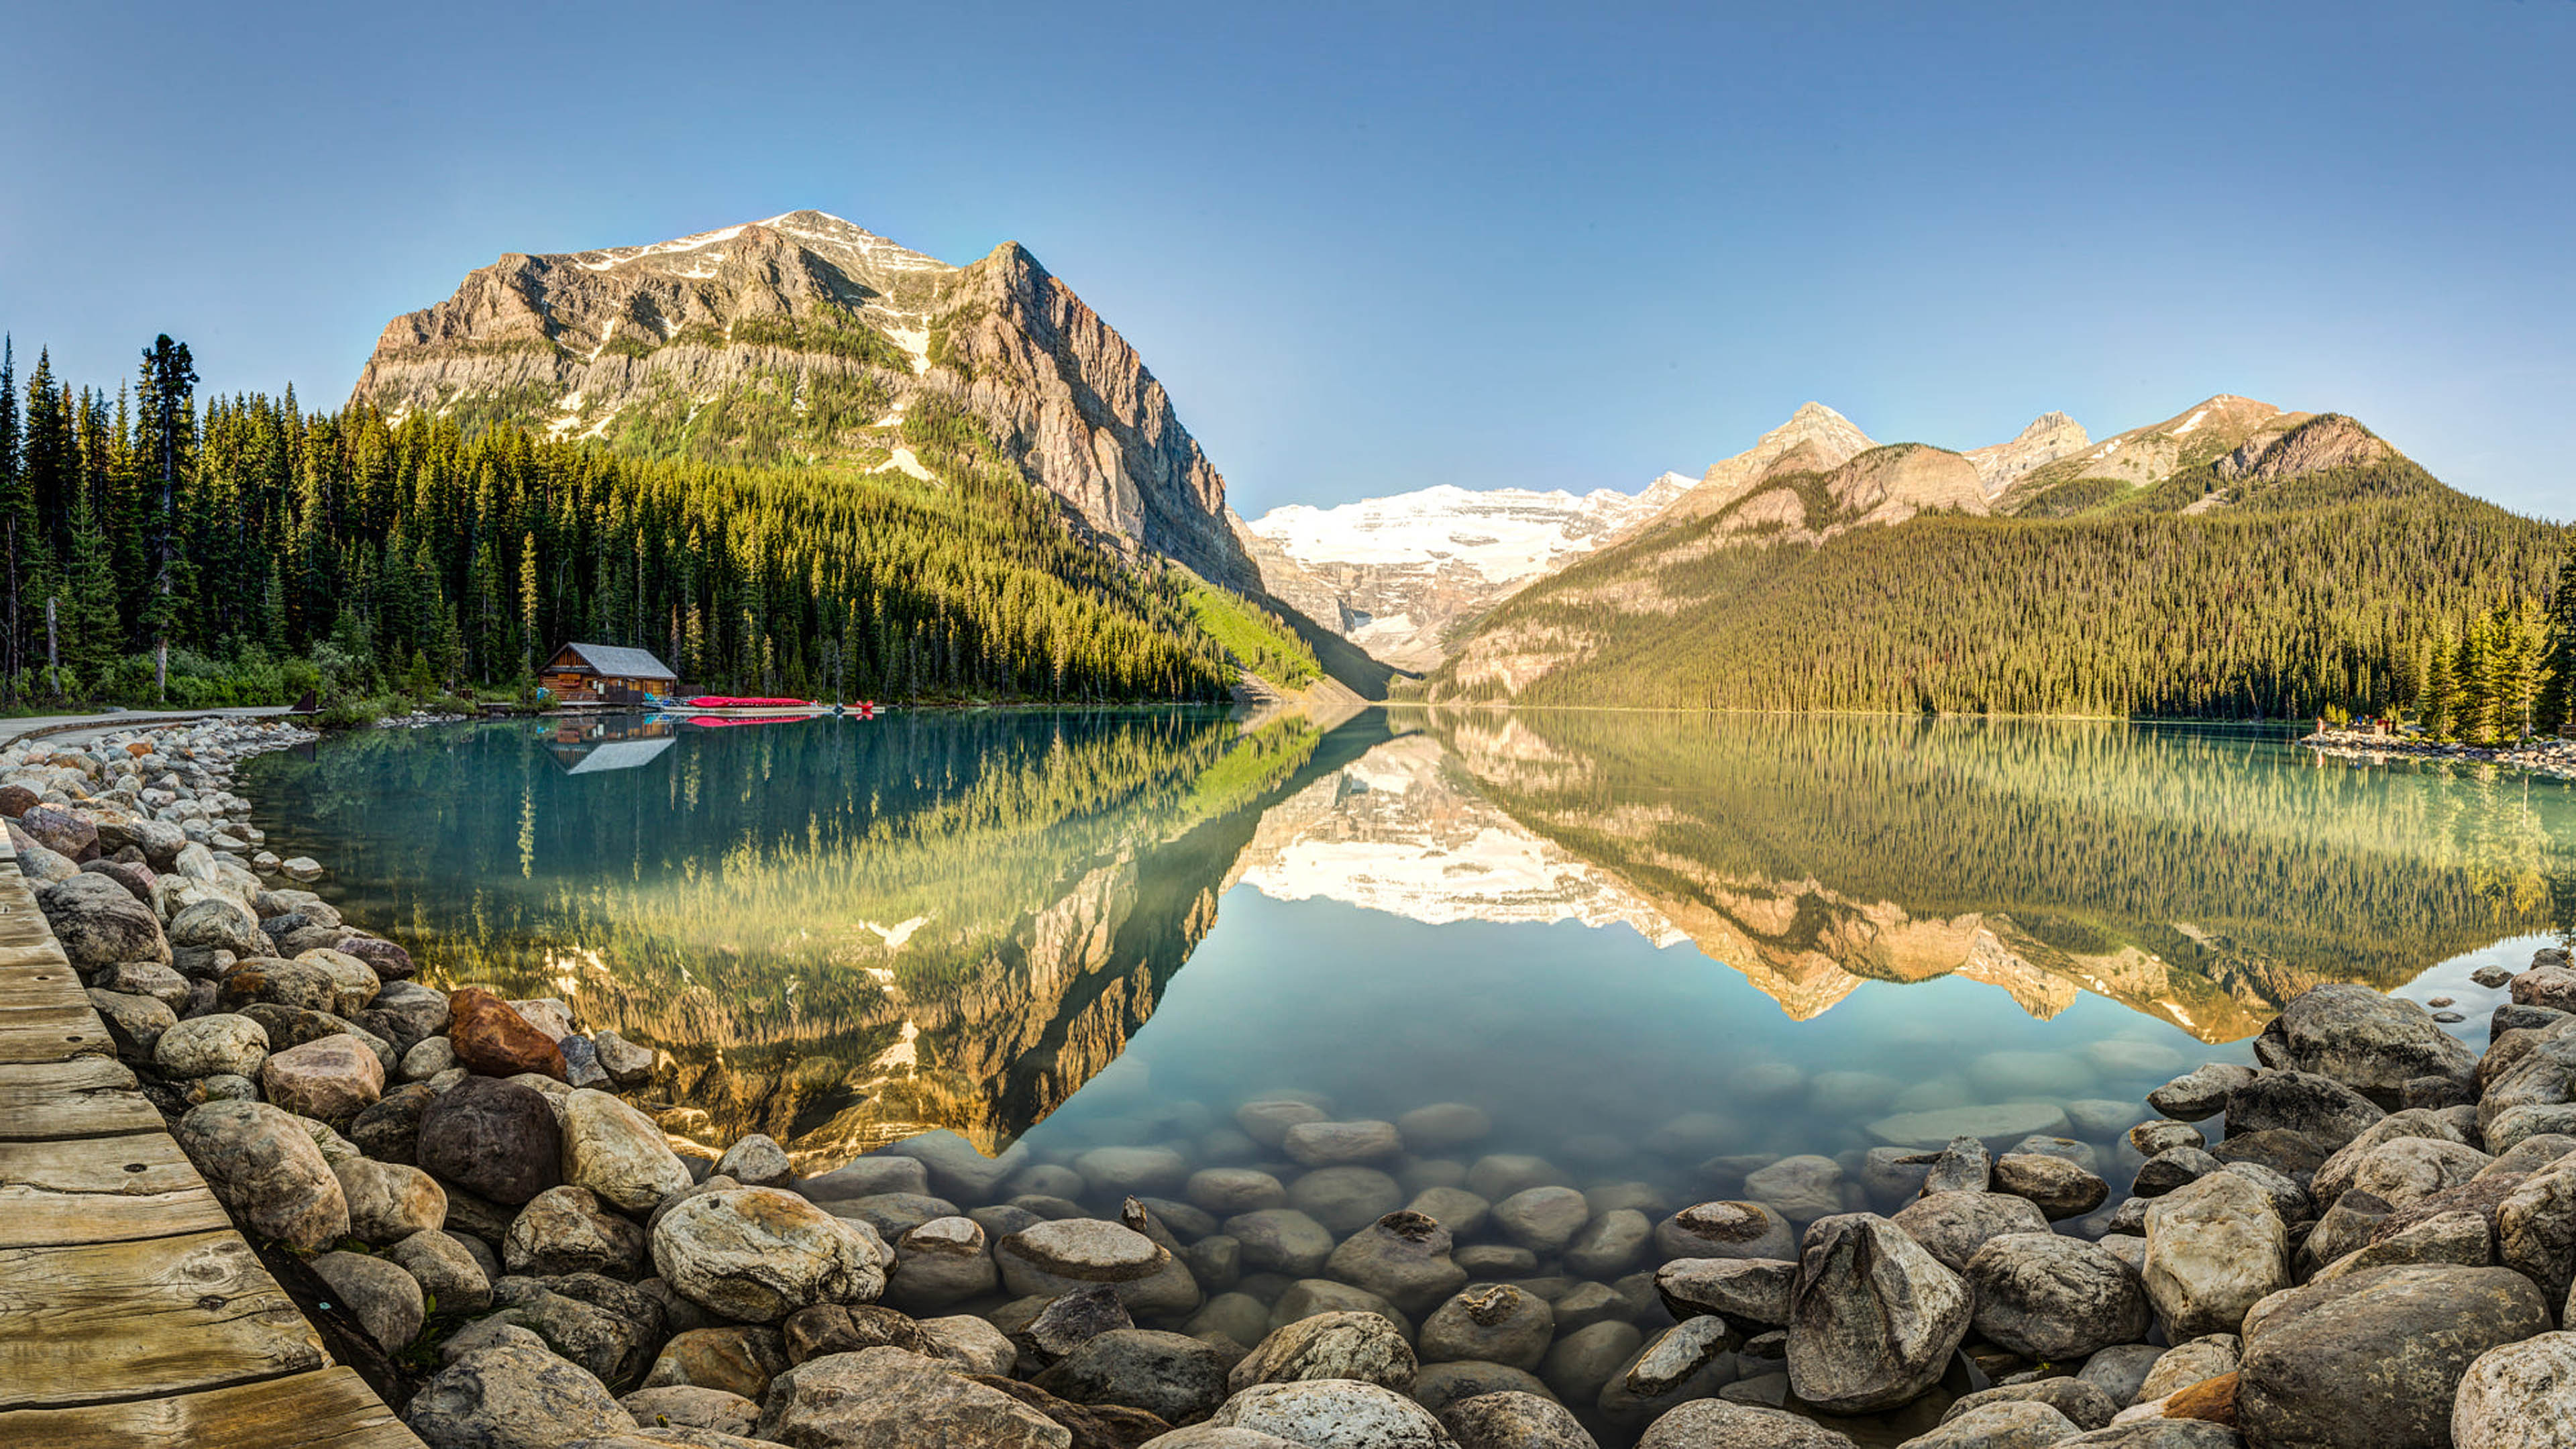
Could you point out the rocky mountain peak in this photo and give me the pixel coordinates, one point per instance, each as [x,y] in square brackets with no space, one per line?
[2050,436]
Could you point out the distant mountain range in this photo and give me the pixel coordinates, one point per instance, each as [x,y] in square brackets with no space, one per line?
[805,341]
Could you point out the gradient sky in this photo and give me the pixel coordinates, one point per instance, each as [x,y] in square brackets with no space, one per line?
[1375,248]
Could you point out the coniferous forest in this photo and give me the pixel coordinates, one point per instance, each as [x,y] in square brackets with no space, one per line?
[242,550]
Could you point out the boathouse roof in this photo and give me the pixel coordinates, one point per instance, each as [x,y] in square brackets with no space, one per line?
[616,661]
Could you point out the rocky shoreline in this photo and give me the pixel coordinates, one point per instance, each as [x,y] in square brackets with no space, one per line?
[2367,1239]
[2540,756]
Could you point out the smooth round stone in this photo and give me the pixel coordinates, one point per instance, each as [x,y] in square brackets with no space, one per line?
[1403,1258]
[1767,1082]
[2081,1154]
[1060,1257]
[1239,1318]
[1313,1297]
[1333,1414]
[2101,1117]
[1847,1093]
[1425,1173]
[2123,1057]
[892,1214]
[1586,1304]
[1229,1190]
[2163,1135]
[1725,1230]
[942,1262]
[618,1152]
[1501,1174]
[206,1046]
[1226,1145]
[1610,1244]
[1500,1324]
[1442,1387]
[1583,1360]
[1268,1122]
[1047,1179]
[1281,1240]
[1443,1125]
[1345,1199]
[1127,1171]
[1801,1189]
[1333,1144]
[2029,1074]
[1495,1260]
[1693,1135]
[1997,1125]
[757,1254]
[1952,1226]
[1644,1197]
[1542,1219]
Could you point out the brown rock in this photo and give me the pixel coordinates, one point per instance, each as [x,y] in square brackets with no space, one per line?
[2210,1399]
[492,1038]
[331,1080]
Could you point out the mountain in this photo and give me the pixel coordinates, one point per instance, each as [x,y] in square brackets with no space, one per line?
[2232,560]
[1398,575]
[803,338]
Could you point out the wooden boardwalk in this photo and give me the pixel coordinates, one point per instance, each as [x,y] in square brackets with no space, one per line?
[131,1312]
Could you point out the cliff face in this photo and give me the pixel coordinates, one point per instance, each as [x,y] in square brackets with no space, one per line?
[2049,437]
[803,338]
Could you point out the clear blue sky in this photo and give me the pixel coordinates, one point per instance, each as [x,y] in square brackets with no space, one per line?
[1377,248]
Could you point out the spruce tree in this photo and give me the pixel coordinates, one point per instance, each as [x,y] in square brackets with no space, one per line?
[2440,705]
[2555,710]
[168,400]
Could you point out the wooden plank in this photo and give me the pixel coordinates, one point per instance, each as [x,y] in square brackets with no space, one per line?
[101,1190]
[86,1097]
[328,1409]
[53,1034]
[133,1320]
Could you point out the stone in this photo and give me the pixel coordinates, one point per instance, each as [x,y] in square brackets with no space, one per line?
[98,923]
[688,1406]
[757,1254]
[219,924]
[493,1039]
[277,982]
[1750,1290]
[2163,1134]
[567,1230]
[1059,1257]
[1308,1297]
[389,1201]
[886,1398]
[389,1130]
[1611,1244]
[1718,1424]
[1964,1165]
[1226,1191]
[2375,1359]
[144,978]
[511,1396]
[2369,1042]
[1874,1317]
[618,1152]
[1500,1324]
[1582,1361]
[2200,1093]
[2518,1396]
[448,1273]
[1175,1378]
[1510,1419]
[1066,1322]
[1997,1125]
[867,1177]
[2214,1246]
[958,1170]
[2535,1229]
[388,961]
[1542,1219]
[1801,1189]
[1281,1240]
[1335,1144]
[496,1139]
[60,831]
[1403,1257]
[827,1328]
[2084,1404]
[1345,1199]
[1361,1346]
[627,1064]
[735,1357]
[2009,1424]
[2302,1102]
[406,1013]
[1267,1122]
[329,1080]
[755,1161]
[1439,1385]
[1117,1172]
[135,1023]
[1332,1414]
[942,1262]
[2335,1175]
[607,1327]
[1674,1360]
[1725,1230]
[2055,1299]
[385,1299]
[219,1045]
[353,985]
[266,1170]
[966,1339]
[1443,1125]
[2059,1187]
[1497,1175]
[2191,1362]
[2172,1168]
[1952,1226]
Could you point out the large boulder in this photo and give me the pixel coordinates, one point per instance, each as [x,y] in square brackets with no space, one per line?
[886,1398]
[219,924]
[218,1045]
[1171,1376]
[2535,1229]
[493,1038]
[99,923]
[757,1254]
[386,1299]
[2317,1107]
[264,1168]
[1726,1230]
[389,1201]
[2518,1396]
[1403,1258]
[1873,1318]
[2214,1246]
[1748,1290]
[1070,1253]
[618,1152]
[513,1396]
[2009,1424]
[447,1270]
[1499,1323]
[567,1230]
[942,1262]
[1718,1424]
[331,1079]
[2373,1360]
[1509,1419]
[1952,1226]
[496,1139]
[2055,1298]
[2372,1043]
[1359,1346]
[1333,1414]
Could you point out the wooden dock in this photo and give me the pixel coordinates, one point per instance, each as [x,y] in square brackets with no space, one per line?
[131,1312]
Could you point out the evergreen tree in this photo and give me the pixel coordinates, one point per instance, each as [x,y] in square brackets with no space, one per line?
[167,398]
[2555,708]
[2440,703]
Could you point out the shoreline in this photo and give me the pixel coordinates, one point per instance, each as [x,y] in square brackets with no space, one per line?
[483,1185]
[2549,758]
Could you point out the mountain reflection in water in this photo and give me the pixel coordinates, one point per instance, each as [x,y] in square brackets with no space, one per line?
[845,932]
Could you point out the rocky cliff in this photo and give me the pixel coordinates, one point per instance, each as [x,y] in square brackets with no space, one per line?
[2049,437]
[803,338]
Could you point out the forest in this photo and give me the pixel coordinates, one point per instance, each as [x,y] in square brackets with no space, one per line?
[2429,604]
[153,549]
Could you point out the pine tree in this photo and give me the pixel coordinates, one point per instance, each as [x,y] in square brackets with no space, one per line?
[2555,709]
[2440,704]
[167,396]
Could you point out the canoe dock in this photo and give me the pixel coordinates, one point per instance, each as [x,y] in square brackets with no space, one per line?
[131,1311]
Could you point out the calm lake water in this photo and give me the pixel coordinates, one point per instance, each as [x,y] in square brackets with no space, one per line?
[1653,948]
